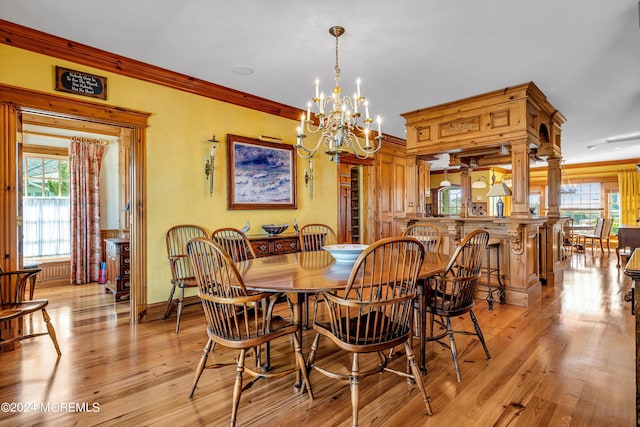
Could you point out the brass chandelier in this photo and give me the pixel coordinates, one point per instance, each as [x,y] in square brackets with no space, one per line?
[340,120]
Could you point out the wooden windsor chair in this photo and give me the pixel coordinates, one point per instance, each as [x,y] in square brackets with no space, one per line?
[14,307]
[373,314]
[427,234]
[451,294]
[233,320]
[181,271]
[234,242]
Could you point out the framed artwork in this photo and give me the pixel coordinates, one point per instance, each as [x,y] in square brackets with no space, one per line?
[261,175]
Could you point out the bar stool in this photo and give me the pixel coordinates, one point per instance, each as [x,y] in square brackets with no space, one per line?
[494,244]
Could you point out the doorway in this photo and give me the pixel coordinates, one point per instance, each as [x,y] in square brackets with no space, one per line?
[46,222]
[15,102]
[354,213]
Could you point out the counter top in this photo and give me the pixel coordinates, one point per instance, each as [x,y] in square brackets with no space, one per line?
[632,268]
[477,219]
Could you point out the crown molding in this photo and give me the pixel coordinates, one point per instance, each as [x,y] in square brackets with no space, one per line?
[46,44]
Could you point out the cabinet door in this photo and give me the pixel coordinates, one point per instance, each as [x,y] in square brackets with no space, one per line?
[391,194]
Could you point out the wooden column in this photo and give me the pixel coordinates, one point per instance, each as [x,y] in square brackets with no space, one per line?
[8,199]
[520,175]
[554,182]
[424,185]
[465,186]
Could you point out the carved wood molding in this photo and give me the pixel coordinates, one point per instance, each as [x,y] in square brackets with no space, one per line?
[34,101]
[516,236]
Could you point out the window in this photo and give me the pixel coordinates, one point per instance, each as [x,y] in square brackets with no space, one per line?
[613,205]
[449,200]
[45,207]
[583,203]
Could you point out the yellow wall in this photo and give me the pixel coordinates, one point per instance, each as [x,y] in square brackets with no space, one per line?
[478,195]
[179,126]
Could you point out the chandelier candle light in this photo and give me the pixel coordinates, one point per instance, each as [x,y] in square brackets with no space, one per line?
[338,120]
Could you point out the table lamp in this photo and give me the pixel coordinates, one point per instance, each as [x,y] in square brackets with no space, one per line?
[498,190]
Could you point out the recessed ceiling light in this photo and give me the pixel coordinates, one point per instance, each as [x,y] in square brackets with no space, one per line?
[242,70]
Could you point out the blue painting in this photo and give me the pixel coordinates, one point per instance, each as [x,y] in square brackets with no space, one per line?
[262,174]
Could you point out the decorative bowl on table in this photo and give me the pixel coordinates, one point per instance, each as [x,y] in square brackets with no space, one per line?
[274,229]
[345,253]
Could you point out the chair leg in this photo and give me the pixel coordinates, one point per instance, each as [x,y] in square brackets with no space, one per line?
[203,361]
[179,311]
[305,320]
[454,351]
[354,380]
[301,365]
[237,388]
[170,302]
[417,376]
[51,331]
[312,352]
[476,325]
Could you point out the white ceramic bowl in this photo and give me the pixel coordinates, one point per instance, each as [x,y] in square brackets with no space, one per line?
[346,253]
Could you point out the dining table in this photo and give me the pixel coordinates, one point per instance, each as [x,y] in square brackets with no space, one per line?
[300,273]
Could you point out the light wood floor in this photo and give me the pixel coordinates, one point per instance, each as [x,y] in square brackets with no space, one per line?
[567,360]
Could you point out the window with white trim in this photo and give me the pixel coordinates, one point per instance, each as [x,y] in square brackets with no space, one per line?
[449,200]
[46,212]
[583,202]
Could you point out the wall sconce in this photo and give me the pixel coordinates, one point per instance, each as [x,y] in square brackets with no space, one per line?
[208,162]
[480,183]
[308,178]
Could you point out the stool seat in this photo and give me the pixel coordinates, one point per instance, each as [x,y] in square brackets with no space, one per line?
[494,244]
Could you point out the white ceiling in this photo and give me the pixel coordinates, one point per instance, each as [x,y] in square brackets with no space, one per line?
[583,54]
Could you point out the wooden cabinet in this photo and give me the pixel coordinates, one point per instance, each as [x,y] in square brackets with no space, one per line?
[274,245]
[390,178]
[118,267]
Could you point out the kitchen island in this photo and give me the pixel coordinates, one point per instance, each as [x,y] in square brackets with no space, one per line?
[530,250]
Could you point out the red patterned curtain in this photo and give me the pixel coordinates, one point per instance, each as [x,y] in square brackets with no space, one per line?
[84,164]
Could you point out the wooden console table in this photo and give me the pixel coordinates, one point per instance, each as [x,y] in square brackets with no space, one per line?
[265,245]
[628,240]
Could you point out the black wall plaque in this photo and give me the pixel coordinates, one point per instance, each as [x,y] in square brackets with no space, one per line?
[81,83]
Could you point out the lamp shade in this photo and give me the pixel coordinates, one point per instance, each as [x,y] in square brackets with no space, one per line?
[480,183]
[445,182]
[499,190]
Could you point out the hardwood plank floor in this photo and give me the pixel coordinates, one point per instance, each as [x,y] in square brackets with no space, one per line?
[566,361]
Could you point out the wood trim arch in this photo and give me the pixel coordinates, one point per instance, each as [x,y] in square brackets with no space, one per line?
[13,101]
